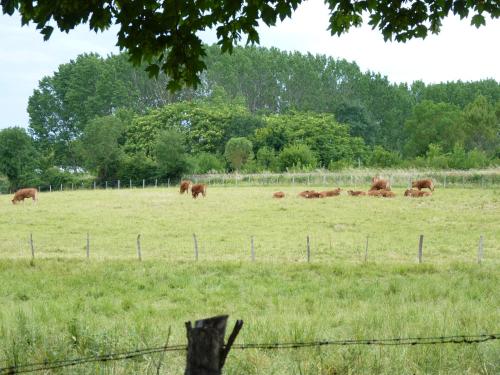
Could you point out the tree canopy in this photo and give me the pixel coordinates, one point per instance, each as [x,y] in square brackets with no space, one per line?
[163,33]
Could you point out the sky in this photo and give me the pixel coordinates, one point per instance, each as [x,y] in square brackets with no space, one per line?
[459,52]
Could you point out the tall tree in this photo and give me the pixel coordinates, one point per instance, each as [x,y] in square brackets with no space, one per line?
[18,157]
[440,124]
[101,146]
[481,125]
[163,33]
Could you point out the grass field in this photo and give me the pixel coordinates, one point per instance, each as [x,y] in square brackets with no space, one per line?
[452,221]
[63,306]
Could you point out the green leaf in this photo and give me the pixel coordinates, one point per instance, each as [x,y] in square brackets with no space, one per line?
[478,20]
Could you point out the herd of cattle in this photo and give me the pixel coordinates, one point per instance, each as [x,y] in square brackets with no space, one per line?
[380,188]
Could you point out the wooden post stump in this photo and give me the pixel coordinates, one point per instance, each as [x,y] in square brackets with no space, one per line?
[206,352]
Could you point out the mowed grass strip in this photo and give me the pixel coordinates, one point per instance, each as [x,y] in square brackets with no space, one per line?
[58,309]
[452,220]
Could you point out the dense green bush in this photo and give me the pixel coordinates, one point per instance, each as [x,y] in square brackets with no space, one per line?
[297,157]
[206,163]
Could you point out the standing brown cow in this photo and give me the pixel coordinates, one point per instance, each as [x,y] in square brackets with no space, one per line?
[423,184]
[380,184]
[198,189]
[21,194]
[185,186]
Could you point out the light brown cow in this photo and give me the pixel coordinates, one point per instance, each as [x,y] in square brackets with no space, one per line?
[313,194]
[416,193]
[375,193]
[197,189]
[21,194]
[387,193]
[355,193]
[279,194]
[423,184]
[380,184]
[332,193]
[305,193]
[185,186]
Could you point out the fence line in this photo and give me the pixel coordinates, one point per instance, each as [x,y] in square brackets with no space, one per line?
[302,247]
[353,178]
[438,340]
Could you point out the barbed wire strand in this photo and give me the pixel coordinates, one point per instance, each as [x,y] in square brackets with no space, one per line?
[458,339]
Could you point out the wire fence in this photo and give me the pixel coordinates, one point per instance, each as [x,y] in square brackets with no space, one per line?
[353,178]
[126,355]
[312,247]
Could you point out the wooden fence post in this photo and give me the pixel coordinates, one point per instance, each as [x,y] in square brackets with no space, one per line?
[206,353]
[139,255]
[88,245]
[71,186]
[168,183]
[308,249]
[61,187]
[106,185]
[156,182]
[143,183]
[420,248]
[252,249]
[195,247]
[94,185]
[366,249]
[444,186]
[50,188]
[130,184]
[118,184]
[32,247]
[480,250]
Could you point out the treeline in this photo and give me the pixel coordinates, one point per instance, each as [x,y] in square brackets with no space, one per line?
[258,109]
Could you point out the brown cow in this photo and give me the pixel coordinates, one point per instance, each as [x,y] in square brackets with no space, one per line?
[355,193]
[185,186]
[313,194]
[416,193]
[387,193]
[21,194]
[305,193]
[198,189]
[380,184]
[375,193]
[332,193]
[279,194]
[422,184]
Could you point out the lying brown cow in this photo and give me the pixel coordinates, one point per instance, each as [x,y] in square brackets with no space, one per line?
[197,189]
[185,186]
[305,193]
[21,194]
[332,193]
[380,184]
[416,193]
[355,193]
[423,184]
[387,193]
[279,194]
[375,193]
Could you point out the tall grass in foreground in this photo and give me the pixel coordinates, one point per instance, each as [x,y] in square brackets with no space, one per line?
[60,308]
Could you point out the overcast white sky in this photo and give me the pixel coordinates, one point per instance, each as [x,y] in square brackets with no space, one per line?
[459,52]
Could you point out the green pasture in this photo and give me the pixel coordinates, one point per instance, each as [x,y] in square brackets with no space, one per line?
[62,305]
[451,221]
[58,309]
